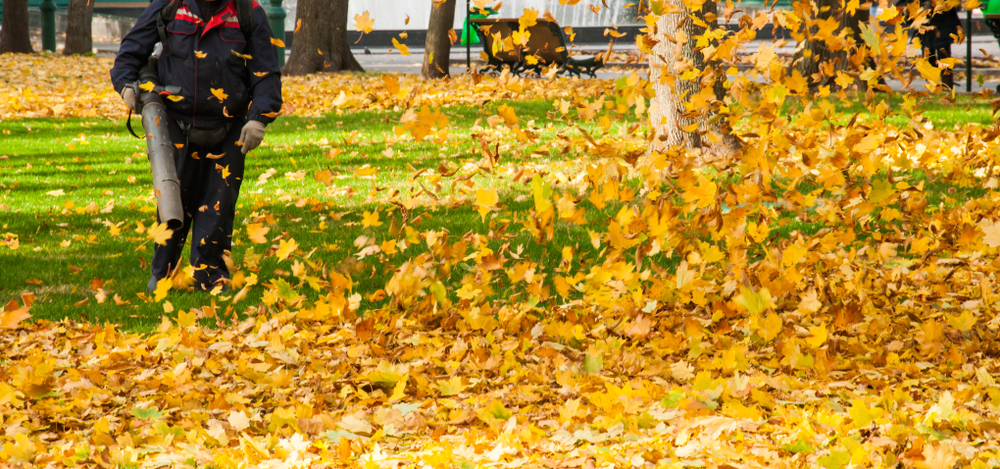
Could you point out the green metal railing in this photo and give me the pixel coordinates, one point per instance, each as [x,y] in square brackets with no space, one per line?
[48,9]
[276,15]
[761,3]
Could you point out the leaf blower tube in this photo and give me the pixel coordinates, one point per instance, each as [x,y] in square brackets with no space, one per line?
[159,149]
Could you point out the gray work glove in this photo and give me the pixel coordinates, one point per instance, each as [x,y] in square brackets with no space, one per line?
[252,135]
[128,95]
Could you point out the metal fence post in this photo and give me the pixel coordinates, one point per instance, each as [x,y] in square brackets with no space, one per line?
[468,39]
[276,14]
[48,9]
[968,51]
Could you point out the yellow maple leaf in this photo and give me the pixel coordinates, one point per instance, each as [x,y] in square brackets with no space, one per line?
[403,48]
[159,233]
[163,286]
[422,123]
[219,94]
[941,456]
[391,83]
[868,143]
[325,176]
[21,452]
[763,58]
[770,327]
[186,319]
[817,336]
[888,14]
[10,319]
[450,387]
[963,322]
[399,390]
[256,232]
[200,54]
[277,42]
[486,201]
[148,86]
[754,301]
[809,302]
[370,219]
[863,413]
[508,115]
[703,193]
[991,233]
[286,248]
[928,71]
[363,22]
[528,19]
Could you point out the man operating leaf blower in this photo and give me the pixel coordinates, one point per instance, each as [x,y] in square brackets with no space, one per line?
[205,99]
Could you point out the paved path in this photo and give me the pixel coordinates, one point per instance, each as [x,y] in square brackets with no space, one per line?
[390,60]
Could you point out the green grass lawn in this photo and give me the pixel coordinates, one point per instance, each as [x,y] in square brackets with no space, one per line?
[67,184]
[941,110]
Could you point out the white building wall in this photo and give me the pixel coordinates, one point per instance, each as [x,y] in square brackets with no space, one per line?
[392,14]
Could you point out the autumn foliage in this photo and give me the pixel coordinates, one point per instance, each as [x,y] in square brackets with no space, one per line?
[825,297]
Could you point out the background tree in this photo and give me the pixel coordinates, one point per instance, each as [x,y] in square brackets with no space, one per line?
[829,37]
[675,51]
[14,35]
[320,40]
[437,49]
[80,17]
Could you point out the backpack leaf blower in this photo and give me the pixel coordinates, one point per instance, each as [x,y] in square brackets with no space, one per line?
[159,149]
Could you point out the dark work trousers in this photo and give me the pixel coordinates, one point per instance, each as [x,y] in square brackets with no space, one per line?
[209,202]
[937,46]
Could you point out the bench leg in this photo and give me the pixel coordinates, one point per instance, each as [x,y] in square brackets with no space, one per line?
[994,28]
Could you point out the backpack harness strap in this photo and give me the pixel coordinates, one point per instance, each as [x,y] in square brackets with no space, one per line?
[244,14]
[166,15]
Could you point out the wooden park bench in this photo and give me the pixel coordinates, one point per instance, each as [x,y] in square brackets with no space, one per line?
[546,44]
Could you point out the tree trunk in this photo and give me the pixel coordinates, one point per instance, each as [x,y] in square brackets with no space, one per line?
[80,17]
[14,35]
[673,125]
[437,49]
[321,42]
[820,60]
[342,59]
[313,30]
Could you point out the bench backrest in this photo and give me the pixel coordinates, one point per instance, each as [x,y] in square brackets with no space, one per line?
[547,43]
[546,40]
[489,29]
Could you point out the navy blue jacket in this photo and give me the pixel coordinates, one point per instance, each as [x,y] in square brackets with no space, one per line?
[215,82]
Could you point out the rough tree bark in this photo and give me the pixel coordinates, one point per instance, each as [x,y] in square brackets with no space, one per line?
[80,17]
[321,42]
[14,35]
[437,49]
[820,59]
[674,125]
